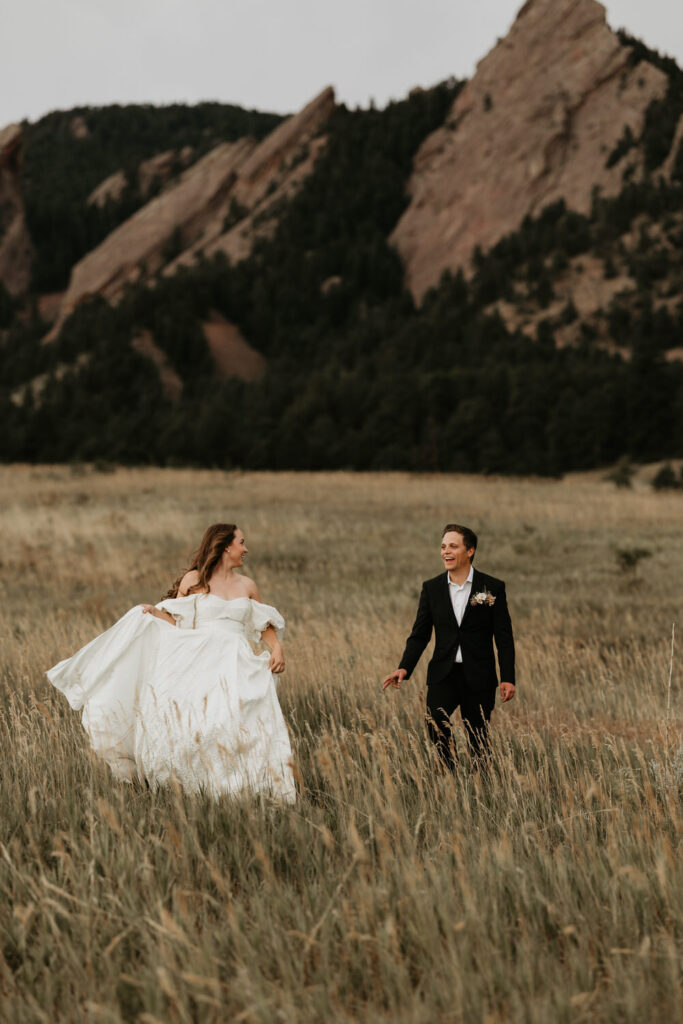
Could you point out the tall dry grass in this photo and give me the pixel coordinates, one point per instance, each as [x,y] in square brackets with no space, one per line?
[552,892]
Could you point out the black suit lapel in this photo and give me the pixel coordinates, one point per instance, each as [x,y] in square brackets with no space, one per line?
[446,594]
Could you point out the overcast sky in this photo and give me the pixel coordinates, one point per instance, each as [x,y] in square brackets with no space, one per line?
[269,54]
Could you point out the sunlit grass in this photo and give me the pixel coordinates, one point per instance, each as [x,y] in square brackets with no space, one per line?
[551,892]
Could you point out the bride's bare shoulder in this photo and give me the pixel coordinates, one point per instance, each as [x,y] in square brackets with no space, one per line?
[189,580]
[251,588]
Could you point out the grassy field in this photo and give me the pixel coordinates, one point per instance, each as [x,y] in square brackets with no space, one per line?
[551,893]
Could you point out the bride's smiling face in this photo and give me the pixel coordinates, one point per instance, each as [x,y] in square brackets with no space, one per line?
[237,549]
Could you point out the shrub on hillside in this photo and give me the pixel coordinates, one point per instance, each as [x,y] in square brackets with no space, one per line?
[666,478]
[622,474]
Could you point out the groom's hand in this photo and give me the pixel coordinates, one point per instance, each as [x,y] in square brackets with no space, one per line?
[507,691]
[395,679]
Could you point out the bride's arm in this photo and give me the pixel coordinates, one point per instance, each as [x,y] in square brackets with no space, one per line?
[269,636]
[277,658]
[158,613]
[189,580]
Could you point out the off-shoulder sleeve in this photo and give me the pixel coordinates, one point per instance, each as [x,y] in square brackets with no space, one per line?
[183,610]
[262,616]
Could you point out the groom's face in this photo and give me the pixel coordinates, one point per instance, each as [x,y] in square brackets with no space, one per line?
[454,554]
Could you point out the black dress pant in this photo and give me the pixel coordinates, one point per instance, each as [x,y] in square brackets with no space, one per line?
[475,707]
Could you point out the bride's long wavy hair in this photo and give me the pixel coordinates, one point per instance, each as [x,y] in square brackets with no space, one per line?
[207,556]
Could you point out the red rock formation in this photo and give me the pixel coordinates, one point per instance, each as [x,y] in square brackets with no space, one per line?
[15,245]
[36,386]
[274,171]
[49,306]
[190,215]
[140,246]
[171,382]
[79,127]
[536,123]
[232,355]
[668,165]
[111,189]
[157,168]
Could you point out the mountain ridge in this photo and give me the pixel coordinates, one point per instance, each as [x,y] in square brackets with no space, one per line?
[533,125]
[537,354]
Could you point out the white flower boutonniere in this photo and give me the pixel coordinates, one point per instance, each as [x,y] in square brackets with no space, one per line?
[483,597]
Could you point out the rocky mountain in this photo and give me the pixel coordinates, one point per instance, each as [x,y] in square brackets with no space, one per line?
[151,173]
[484,276]
[84,172]
[540,121]
[15,244]
[224,202]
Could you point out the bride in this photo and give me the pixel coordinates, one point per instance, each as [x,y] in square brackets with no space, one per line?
[174,690]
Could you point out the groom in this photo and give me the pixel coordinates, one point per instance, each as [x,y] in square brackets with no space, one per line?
[468,610]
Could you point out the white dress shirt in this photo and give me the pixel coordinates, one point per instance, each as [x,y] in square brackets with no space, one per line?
[460,595]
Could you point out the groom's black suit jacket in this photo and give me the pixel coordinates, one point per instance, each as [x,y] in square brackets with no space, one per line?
[481,624]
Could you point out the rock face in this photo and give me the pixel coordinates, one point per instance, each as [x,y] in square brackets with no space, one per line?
[668,166]
[15,245]
[109,190]
[36,386]
[154,171]
[235,186]
[140,246]
[159,168]
[232,355]
[536,123]
[171,383]
[273,171]
[79,127]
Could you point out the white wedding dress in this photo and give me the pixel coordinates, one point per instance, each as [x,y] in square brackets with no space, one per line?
[191,701]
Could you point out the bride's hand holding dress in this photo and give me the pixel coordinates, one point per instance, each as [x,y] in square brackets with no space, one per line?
[158,613]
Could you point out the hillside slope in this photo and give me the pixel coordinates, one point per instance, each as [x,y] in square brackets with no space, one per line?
[223,202]
[68,154]
[556,348]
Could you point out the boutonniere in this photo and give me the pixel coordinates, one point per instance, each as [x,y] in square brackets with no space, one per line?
[483,597]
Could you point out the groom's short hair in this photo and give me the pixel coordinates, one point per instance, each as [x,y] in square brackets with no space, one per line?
[469,537]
